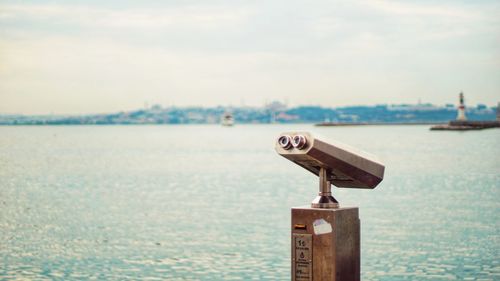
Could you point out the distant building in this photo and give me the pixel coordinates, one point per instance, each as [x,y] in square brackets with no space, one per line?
[481,107]
[412,107]
[156,108]
[274,109]
[282,116]
[498,112]
[276,106]
[461,108]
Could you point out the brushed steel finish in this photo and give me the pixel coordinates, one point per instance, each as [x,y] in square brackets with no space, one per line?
[324,198]
[346,166]
[335,254]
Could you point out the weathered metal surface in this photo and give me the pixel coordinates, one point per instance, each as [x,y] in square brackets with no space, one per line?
[335,237]
[324,198]
[346,166]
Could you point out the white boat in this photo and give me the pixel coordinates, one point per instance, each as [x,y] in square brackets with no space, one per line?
[227,119]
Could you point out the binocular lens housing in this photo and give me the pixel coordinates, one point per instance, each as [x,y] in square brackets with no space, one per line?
[344,166]
[299,141]
[285,142]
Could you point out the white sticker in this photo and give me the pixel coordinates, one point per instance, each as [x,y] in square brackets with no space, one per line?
[321,227]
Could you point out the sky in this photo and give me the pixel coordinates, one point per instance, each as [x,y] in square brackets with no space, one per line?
[77,57]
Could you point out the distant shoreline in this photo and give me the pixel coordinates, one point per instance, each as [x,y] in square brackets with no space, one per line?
[340,124]
[216,124]
[278,113]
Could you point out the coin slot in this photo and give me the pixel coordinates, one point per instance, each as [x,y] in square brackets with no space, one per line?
[300,226]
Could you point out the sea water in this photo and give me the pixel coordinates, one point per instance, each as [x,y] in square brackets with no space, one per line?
[213,203]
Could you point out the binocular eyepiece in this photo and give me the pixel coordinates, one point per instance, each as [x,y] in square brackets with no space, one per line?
[287,142]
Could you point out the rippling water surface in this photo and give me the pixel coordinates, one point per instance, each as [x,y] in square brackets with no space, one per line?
[213,203]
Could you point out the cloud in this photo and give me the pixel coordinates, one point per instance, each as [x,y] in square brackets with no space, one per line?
[191,16]
[413,9]
[93,58]
[397,20]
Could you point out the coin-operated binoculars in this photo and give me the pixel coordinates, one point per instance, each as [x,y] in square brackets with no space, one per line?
[326,236]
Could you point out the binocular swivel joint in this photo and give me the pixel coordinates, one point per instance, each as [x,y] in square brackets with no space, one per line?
[324,198]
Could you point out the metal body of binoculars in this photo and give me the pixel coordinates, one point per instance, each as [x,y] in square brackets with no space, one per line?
[344,166]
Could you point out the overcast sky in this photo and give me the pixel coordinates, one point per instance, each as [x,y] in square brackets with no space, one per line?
[89,57]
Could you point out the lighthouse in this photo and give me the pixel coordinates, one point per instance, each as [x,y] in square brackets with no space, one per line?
[461,109]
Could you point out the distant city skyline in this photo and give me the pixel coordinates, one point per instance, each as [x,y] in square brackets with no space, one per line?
[81,57]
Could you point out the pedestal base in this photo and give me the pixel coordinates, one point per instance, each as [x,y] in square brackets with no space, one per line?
[325,244]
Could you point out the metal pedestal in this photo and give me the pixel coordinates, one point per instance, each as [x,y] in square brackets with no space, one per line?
[325,244]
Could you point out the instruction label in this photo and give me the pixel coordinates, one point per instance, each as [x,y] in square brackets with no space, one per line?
[302,257]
